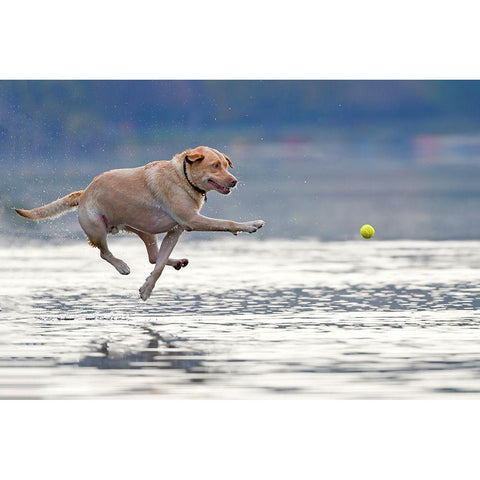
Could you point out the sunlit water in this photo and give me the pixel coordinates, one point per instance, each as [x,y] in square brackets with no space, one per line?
[247,318]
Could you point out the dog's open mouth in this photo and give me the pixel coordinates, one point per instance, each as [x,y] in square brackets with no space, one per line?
[219,187]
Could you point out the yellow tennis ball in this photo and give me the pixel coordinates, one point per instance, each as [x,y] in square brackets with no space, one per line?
[367,231]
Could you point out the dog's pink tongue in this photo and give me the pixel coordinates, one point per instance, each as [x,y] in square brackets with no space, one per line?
[219,187]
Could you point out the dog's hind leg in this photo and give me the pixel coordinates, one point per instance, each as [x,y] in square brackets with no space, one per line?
[150,242]
[94,226]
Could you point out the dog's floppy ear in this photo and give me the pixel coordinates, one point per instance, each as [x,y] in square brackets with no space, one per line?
[193,156]
[228,160]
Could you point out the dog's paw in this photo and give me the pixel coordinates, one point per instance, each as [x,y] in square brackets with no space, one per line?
[122,267]
[252,227]
[183,262]
[146,290]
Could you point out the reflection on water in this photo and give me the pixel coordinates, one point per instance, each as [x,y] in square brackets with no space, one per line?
[246,319]
[159,352]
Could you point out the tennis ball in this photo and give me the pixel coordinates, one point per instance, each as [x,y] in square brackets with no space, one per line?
[367,231]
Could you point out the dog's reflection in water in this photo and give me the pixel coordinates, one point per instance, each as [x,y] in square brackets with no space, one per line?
[159,352]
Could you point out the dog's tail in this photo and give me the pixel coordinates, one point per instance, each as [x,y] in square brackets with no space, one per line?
[54,209]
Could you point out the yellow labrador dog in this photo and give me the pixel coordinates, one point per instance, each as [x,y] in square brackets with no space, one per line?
[163,196]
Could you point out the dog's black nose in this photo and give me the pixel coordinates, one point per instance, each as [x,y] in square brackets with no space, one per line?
[233,183]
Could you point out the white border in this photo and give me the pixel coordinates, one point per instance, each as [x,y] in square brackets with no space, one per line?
[244,40]
[239,439]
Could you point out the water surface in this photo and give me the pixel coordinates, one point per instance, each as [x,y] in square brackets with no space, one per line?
[248,318]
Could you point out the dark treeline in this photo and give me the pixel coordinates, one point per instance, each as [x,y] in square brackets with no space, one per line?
[43,117]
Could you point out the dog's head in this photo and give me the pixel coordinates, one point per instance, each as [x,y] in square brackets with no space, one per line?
[208,169]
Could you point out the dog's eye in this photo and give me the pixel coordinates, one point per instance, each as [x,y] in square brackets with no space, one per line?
[215,165]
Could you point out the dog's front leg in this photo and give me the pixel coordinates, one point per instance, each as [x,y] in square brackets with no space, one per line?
[205,224]
[168,244]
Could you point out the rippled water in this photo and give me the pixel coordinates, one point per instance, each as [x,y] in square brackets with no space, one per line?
[247,318]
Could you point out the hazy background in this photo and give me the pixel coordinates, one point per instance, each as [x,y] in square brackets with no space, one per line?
[314,158]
